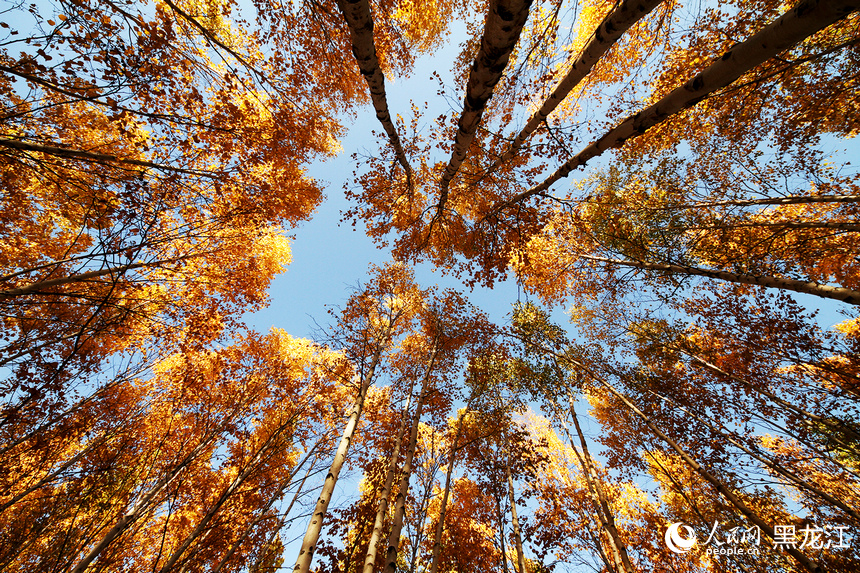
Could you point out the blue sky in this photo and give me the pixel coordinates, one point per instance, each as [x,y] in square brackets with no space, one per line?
[329,257]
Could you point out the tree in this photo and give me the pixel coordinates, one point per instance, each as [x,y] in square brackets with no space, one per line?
[139,192]
[372,321]
[153,161]
[203,446]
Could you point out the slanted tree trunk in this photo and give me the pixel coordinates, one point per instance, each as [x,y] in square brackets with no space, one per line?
[619,549]
[796,481]
[501,519]
[400,500]
[309,543]
[141,506]
[440,526]
[844,226]
[850,433]
[225,495]
[733,499]
[92,156]
[808,287]
[85,277]
[613,26]
[360,22]
[599,516]
[262,514]
[806,18]
[94,443]
[382,495]
[515,522]
[603,512]
[790,200]
[505,21]
[420,519]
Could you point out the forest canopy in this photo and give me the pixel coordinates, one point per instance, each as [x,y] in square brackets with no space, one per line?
[675,176]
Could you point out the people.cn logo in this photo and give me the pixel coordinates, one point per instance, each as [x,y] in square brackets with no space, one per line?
[678,543]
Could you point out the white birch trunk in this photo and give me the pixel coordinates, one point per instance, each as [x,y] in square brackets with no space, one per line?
[613,26]
[619,549]
[400,500]
[505,21]
[807,287]
[309,543]
[440,526]
[802,559]
[141,506]
[360,22]
[806,18]
[515,522]
[370,559]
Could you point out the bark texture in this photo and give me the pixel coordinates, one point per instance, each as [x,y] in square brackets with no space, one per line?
[382,509]
[309,543]
[607,517]
[505,21]
[618,21]
[806,18]
[800,557]
[400,501]
[440,526]
[360,21]
[140,507]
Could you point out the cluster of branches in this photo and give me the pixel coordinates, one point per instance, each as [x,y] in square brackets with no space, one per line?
[151,160]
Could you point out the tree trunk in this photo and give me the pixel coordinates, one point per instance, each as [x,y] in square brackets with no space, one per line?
[515,522]
[796,480]
[225,495]
[618,21]
[619,549]
[400,500]
[83,277]
[211,36]
[807,287]
[96,442]
[505,21]
[802,559]
[440,526]
[804,19]
[360,22]
[849,432]
[262,514]
[382,495]
[95,156]
[790,200]
[599,516]
[420,519]
[847,227]
[309,543]
[140,507]
[501,519]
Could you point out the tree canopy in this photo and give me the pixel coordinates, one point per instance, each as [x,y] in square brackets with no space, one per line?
[676,176]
